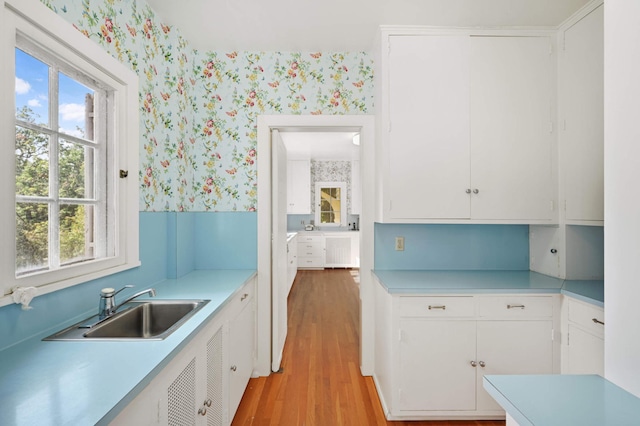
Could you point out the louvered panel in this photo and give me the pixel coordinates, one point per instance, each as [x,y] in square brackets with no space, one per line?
[214,380]
[338,251]
[182,397]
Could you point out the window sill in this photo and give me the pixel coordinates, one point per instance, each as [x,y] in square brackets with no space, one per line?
[49,288]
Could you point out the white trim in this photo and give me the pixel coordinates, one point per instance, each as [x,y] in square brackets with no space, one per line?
[365,124]
[53,33]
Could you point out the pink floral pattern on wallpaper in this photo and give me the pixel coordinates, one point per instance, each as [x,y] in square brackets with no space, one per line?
[198,110]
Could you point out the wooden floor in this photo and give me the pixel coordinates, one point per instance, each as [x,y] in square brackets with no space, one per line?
[320,382]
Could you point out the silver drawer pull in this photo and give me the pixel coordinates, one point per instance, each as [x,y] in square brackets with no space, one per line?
[474,364]
[443,307]
[244,296]
[597,321]
[515,306]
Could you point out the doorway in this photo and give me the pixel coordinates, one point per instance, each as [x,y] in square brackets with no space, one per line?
[267,317]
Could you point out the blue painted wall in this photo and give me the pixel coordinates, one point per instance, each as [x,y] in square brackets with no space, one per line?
[447,247]
[171,245]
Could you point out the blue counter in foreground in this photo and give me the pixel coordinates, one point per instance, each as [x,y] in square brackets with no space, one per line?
[563,400]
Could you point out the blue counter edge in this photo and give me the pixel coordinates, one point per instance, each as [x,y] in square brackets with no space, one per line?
[520,418]
[589,291]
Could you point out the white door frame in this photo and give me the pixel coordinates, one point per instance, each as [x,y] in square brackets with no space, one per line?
[366,125]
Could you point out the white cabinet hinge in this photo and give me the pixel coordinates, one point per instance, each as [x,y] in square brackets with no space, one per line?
[551,204]
[551,127]
[399,335]
[553,334]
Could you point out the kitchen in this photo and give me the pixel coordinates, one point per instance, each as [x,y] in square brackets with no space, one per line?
[219,229]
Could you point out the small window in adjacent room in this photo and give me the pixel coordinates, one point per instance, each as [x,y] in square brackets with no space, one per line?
[74,122]
[331,203]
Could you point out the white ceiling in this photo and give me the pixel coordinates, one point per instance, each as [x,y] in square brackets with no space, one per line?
[320,145]
[339,25]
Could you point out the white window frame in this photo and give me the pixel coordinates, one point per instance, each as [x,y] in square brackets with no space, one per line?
[343,203]
[35,22]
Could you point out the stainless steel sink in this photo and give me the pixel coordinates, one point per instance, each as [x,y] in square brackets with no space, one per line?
[139,320]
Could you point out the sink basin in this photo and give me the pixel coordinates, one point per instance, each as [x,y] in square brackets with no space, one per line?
[139,320]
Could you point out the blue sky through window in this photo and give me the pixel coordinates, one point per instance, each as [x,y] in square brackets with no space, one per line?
[32,90]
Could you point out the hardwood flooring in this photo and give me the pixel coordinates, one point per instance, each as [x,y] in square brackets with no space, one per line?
[320,382]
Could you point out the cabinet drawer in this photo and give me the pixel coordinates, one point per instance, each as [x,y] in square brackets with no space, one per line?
[310,238]
[310,249]
[437,307]
[241,299]
[310,262]
[516,306]
[589,317]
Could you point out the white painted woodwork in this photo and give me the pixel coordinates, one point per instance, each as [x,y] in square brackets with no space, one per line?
[622,206]
[511,126]
[428,127]
[468,126]
[356,188]
[202,371]
[310,251]
[581,99]
[584,350]
[292,261]
[241,353]
[512,347]
[298,187]
[434,365]
[279,282]
[430,362]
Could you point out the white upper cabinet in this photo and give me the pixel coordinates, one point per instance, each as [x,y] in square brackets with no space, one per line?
[581,95]
[466,126]
[298,187]
[511,128]
[428,129]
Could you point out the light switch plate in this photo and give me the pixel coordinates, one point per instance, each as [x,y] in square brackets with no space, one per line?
[399,243]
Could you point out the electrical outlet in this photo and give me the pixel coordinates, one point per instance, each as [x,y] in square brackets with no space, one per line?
[399,243]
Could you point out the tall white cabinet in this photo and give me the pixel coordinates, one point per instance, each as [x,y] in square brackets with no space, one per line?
[467,130]
[298,187]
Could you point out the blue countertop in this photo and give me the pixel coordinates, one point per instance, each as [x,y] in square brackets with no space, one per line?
[564,400]
[438,282]
[89,382]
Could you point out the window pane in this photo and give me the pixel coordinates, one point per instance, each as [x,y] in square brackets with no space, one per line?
[75,109]
[32,89]
[32,237]
[76,233]
[76,170]
[32,163]
[336,193]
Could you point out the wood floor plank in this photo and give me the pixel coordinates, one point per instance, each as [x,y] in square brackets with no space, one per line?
[320,382]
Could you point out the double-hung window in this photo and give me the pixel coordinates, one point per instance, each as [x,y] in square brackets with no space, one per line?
[69,160]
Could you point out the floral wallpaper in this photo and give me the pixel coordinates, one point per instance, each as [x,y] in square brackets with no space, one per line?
[198,110]
[330,171]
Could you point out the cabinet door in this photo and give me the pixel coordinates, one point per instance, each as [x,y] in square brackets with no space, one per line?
[298,187]
[337,251]
[241,354]
[512,347]
[582,107]
[356,188]
[215,401]
[512,94]
[585,352]
[429,127]
[435,371]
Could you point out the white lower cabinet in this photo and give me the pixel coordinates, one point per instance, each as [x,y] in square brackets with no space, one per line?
[435,351]
[204,383]
[585,338]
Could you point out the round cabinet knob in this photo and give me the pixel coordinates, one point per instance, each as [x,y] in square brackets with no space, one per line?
[468,191]
[208,402]
[473,363]
[234,368]
[482,364]
[475,191]
[202,411]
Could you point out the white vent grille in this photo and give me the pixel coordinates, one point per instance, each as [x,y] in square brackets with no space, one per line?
[182,398]
[214,380]
[338,251]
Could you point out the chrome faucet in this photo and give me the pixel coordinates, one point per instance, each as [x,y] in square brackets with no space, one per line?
[107,305]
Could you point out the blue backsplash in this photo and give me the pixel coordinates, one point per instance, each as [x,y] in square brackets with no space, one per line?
[452,247]
[171,245]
